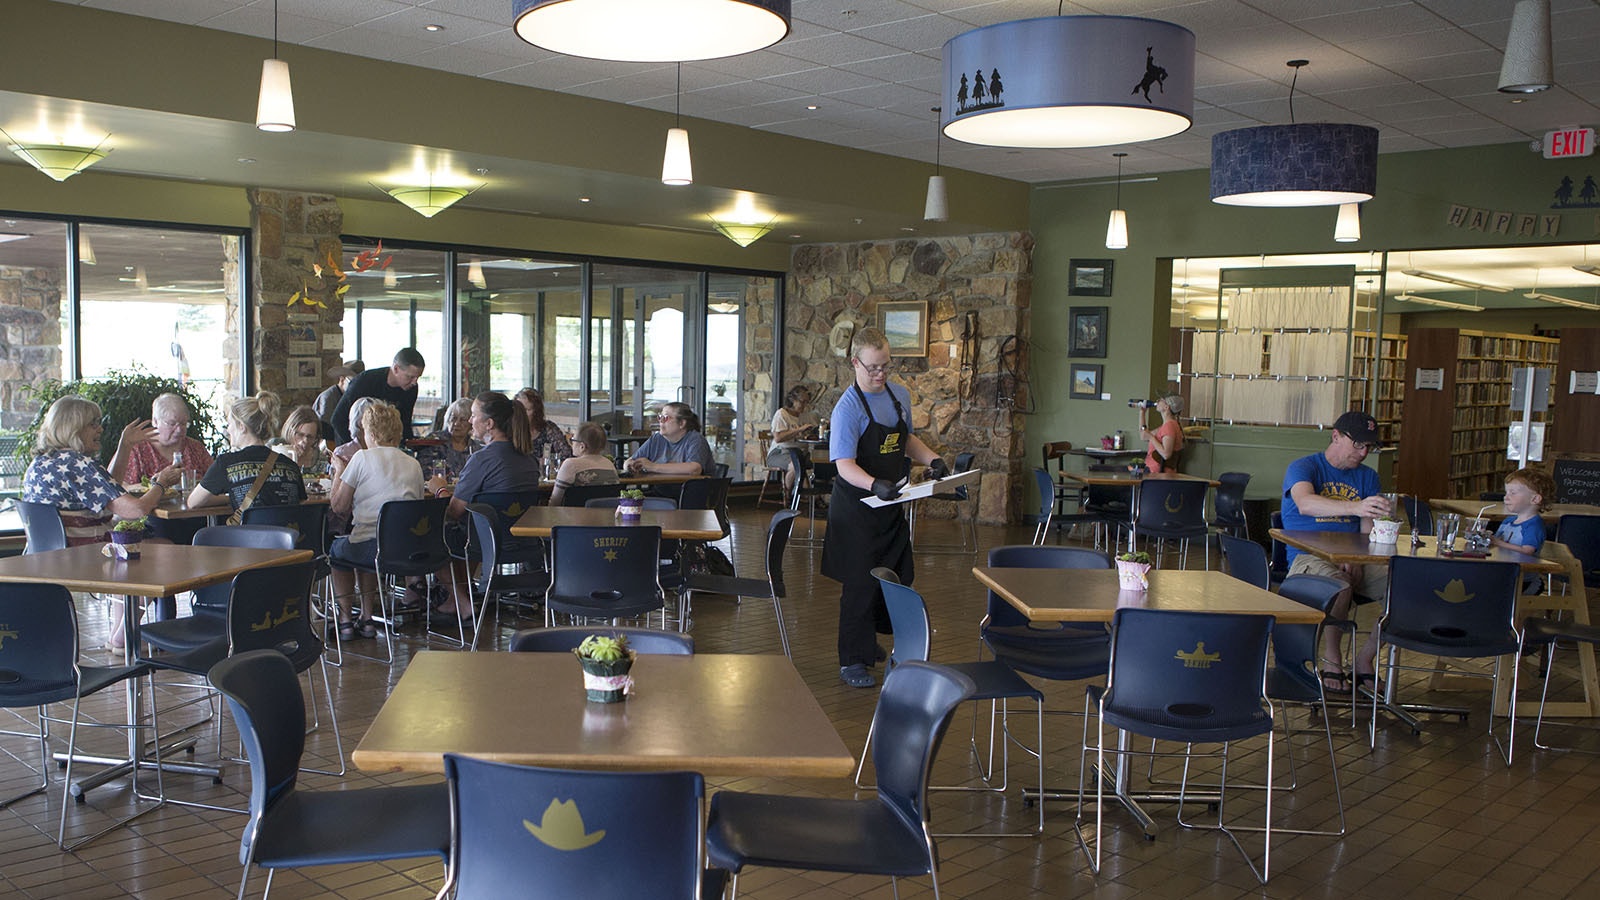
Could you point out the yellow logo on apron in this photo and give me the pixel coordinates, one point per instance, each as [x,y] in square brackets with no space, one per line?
[891,444]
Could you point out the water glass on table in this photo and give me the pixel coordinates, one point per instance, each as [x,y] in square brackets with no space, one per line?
[1449,525]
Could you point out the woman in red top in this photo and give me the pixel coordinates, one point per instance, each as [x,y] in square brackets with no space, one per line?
[1167,439]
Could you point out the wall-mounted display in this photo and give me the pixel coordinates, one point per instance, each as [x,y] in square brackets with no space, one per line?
[906,325]
[1089,278]
[1088,336]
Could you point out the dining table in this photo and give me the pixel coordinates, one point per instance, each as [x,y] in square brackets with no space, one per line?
[1496,513]
[162,570]
[1133,481]
[724,714]
[675,524]
[1352,548]
[1095,595]
[178,507]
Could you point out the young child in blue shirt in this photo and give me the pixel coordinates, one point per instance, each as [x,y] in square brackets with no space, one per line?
[1528,493]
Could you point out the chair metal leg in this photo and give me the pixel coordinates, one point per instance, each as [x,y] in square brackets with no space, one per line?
[1544,695]
[134,725]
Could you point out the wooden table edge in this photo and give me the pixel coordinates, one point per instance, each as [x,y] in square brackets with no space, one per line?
[379,762]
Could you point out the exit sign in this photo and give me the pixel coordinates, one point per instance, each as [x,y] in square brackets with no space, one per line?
[1568,143]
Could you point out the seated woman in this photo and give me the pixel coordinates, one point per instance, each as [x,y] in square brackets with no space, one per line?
[590,466]
[543,434]
[792,422]
[242,475]
[502,466]
[338,523]
[376,475]
[66,473]
[456,436]
[677,449]
[301,440]
[171,417]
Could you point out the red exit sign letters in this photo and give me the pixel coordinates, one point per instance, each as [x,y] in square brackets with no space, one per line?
[1568,143]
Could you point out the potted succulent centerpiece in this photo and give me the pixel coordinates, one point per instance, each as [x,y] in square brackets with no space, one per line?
[1133,570]
[606,660]
[631,503]
[1385,529]
[127,536]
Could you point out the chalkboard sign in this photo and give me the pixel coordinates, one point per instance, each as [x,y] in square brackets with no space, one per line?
[1577,481]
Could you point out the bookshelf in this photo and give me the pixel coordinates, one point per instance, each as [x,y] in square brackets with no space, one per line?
[1379,359]
[1455,438]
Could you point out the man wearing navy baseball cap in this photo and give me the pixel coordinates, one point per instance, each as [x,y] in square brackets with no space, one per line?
[1333,491]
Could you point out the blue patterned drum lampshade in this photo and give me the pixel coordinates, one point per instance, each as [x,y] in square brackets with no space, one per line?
[1309,164]
[1069,81]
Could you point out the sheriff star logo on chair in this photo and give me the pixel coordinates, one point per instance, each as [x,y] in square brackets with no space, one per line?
[1454,592]
[1197,658]
[562,827]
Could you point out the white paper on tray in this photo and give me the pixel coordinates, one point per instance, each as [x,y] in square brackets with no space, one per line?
[925,489]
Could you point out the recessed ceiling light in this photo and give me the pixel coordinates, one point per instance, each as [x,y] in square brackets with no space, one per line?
[583,199]
[433,26]
[1519,100]
[811,106]
[482,170]
[795,235]
[245,160]
[907,228]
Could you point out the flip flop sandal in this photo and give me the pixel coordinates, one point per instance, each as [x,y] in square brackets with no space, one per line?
[1335,682]
[347,631]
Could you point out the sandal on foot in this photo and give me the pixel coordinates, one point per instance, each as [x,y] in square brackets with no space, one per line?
[367,628]
[1334,682]
[1369,685]
[347,631]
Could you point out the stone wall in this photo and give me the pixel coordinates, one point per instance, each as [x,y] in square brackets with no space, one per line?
[30,338]
[982,279]
[294,234]
[760,362]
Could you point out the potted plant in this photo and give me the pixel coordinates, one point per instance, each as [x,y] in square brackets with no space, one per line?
[631,503]
[606,660]
[127,536]
[1133,570]
[1385,529]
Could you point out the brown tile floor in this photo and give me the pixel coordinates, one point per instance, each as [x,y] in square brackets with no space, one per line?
[1430,816]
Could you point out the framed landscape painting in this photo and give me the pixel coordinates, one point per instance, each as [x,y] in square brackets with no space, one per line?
[1085,381]
[1089,278]
[906,325]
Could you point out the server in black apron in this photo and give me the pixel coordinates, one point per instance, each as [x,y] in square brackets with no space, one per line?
[872,445]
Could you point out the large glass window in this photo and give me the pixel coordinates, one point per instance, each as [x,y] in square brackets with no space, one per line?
[401,305]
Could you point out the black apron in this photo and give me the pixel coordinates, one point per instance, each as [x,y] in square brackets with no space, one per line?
[861,537]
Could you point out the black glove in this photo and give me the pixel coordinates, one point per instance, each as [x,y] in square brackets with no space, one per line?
[884,489]
[937,468]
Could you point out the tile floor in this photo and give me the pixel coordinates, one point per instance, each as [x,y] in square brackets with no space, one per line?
[1432,816]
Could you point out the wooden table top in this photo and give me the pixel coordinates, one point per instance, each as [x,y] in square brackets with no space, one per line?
[676,524]
[175,508]
[720,714]
[161,570]
[658,479]
[1496,513]
[1131,478]
[1092,595]
[1341,547]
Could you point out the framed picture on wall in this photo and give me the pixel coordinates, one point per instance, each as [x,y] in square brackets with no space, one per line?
[1086,379]
[906,325]
[1087,334]
[1089,278]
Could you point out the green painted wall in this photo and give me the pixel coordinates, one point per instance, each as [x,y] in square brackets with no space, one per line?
[1173,217]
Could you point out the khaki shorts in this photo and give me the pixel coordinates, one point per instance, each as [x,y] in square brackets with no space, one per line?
[1370,582]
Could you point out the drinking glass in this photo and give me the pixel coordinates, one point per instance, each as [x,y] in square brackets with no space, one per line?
[1449,525]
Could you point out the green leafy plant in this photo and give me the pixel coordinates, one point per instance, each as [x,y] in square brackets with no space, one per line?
[123,397]
[1138,556]
[138,526]
[603,647]
[631,493]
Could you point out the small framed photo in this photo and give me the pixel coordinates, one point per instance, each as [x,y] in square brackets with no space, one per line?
[1086,381]
[1087,337]
[1089,278]
[905,323]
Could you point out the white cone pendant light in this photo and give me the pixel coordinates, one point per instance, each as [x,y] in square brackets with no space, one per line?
[1527,67]
[1117,226]
[676,166]
[937,207]
[1347,229]
[275,105]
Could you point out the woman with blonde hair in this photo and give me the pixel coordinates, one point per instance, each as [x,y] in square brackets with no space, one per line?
[252,472]
[66,473]
[590,466]
[377,474]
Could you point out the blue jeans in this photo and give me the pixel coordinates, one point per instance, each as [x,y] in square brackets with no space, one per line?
[354,554]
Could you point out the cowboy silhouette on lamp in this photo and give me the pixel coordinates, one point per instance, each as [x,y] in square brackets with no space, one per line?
[1153,75]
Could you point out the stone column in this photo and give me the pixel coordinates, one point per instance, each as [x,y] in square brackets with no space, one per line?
[295,234]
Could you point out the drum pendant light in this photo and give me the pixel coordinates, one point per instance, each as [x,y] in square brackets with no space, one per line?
[676,166]
[275,104]
[651,30]
[1117,227]
[1069,81]
[1308,164]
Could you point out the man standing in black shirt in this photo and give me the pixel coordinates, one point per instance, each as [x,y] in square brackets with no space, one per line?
[396,385]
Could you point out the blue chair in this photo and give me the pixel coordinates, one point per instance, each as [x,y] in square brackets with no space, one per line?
[1174,510]
[208,619]
[508,507]
[1280,552]
[960,496]
[39,666]
[565,640]
[410,545]
[523,831]
[1246,560]
[1188,677]
[41,526]
[493,581]
[1457,609]
[581,494]
[1420,514]
[993,681]
[769,588]
[1581,535]
[1049,517]
[886,834]
[1058,651]
[604,572]
[1319,592]
[1229,504]
[1550,633]
[290,828]
[309,522]
[650,503]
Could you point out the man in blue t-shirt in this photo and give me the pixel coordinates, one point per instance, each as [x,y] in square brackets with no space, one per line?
[1333,491]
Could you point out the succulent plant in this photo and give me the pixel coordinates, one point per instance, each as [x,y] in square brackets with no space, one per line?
[140,524]
[603,647]
[631,493]
[1137,556]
